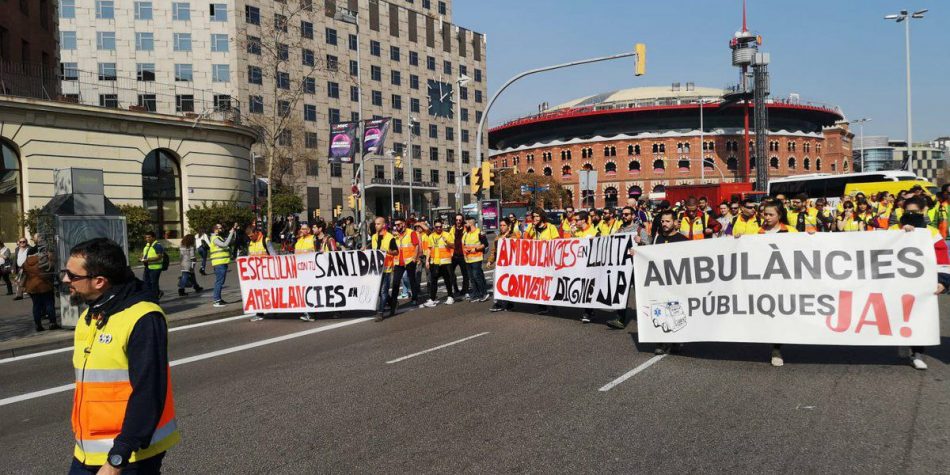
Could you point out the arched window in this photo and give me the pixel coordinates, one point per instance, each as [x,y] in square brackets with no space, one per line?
[732,164]
[530,171]
[818,164]
[566,171]
[662,148]
[844,166]
[834,167]
[636,150]
[504,163]
[683,165]
[708,163]
[563,155]
[656,148]
[161,192]
[633,166]
[610,197]
[568,154]
[613,151]
[610,168]
[679,147]
[791,163]
[587,166]
[773,162]
[548,171]
[659,189]
[11,192]
[806,164]
[606,151]
[634,191]
[658,166]
[629,149]
[583,153]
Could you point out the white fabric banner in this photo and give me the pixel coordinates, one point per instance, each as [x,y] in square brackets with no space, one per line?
[862,288]
[588,272]
[312,282]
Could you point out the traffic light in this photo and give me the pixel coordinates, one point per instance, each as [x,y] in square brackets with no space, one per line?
[488,176]
[398,161]
[397,207]
[352,201]
[640,68]
[475,180]
[316,214]
[337,211]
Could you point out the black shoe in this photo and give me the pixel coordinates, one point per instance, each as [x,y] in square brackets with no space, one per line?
[616,323]
[662,349]
[544,311]
[380,317]
[181,292]
[40,328]
[497,308]
[392,310]
[198,289]
[55,326]
[202,272]
[18,298]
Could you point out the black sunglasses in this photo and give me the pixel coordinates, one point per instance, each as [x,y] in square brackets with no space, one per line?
[73,277]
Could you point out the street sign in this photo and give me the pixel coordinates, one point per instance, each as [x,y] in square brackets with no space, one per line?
[588,179]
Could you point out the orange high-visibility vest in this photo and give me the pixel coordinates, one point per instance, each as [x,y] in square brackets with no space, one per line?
[470,244]
[407,249]
[426,245]
[441,255]
[103,388]
[693,227]
[384,246]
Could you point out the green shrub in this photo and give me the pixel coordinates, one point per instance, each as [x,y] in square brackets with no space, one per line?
[205,215]
[285,202]
[137,223]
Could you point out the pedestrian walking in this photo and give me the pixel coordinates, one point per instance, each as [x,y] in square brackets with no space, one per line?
[384,241]
[153,255]
[123,410]
[410,253]
[474,243]
[630,224]
[441,247]
[305,243]
[19,259]
[6,266]
[187,279]
[258,245]
[458,257]
[39,277]
[203,243]
[220,256]
[506,229]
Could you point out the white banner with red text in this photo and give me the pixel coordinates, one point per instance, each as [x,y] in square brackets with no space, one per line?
[589,272]
[312,282]
[871,288]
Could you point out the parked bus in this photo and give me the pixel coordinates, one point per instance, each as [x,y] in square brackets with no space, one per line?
[833,187]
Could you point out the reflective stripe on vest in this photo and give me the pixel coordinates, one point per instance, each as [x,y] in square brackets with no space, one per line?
[219,255]
[426,243]
[384,246]
[441,255]
[103,388]
[692,228]
[407,250]
[149,252]
[304,244]
[470,242]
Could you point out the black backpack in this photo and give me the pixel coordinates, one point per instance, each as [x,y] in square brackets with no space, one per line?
[164,261]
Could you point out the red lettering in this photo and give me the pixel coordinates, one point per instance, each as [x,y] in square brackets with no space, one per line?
[881,320]
[844,313]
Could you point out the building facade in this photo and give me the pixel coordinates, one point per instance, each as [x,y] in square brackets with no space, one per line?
[165,163]
[29,53]
[297,66]
[642,140]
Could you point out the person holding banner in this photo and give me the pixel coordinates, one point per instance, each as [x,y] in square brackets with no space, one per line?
[669,229]
[505,231]
[441,246]
[258,245]
[847,222]
[771,213]
[384,241]
[567,222]
[542,231]
[304,244]
[410,252]
[630,224]
[220,254]
[609,224]
[582,226]
[474,244]
[695,223]
[326,241]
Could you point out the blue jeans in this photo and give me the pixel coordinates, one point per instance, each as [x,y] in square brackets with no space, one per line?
[150,278]
[44,305]
[204,256]
[384,290]
[477,275]
[220,273]
[187,279]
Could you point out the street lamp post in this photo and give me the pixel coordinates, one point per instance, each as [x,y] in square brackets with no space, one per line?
[481,123]
[702,144]
[906,17]
[351,17]
[409,154]
[860,123]
[459,82]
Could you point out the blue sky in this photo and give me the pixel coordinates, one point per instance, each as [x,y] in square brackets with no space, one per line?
[835,52]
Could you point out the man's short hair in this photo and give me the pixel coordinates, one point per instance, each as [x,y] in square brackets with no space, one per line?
[801,197]
[104,258]
[667,212]
[150,233]
[582,215]
[748,201]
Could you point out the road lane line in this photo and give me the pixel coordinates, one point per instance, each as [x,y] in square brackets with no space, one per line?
[631,373]
[192,359]
[170,330]
[436,348]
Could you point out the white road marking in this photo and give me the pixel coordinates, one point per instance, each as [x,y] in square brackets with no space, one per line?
[436,348]
[192,359]
[170,330]
[632,373]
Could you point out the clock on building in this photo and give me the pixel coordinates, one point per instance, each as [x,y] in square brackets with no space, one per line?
[440,99]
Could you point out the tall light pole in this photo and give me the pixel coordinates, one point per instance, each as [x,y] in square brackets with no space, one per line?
[860,123]
[459,82]
[412,120]
[903,16]
[702,143]
[347,16]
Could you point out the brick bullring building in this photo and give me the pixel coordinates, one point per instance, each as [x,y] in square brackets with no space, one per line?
[643,139]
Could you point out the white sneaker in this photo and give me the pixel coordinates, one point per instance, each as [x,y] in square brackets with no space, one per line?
[306,317]
[585,319]
[467,297]
[917,362]
[777,361]
[256,318]
[485,298]
[449,301]
[429,303]
[218,304]
[403,296]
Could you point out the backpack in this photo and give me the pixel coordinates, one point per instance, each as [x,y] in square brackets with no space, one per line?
[164,261]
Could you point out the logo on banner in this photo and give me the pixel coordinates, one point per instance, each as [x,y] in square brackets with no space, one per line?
[667,316]
[342,142]
[374,137]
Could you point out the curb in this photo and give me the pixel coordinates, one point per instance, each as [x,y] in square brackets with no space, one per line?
[17,347]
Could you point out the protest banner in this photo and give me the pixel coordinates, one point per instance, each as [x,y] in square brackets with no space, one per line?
[312,282]
[873,288]
[589,272]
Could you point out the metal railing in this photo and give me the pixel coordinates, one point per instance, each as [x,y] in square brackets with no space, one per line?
[108,89]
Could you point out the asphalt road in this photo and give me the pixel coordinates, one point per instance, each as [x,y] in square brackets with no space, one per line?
[520,393]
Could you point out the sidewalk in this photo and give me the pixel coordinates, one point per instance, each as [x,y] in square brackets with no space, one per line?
[17,335]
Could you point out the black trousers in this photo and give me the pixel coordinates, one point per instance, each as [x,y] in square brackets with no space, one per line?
[436,271]
[414,290]
[151,465]
[459,261]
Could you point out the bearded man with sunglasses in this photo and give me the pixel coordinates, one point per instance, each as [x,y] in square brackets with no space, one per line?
[123,413]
